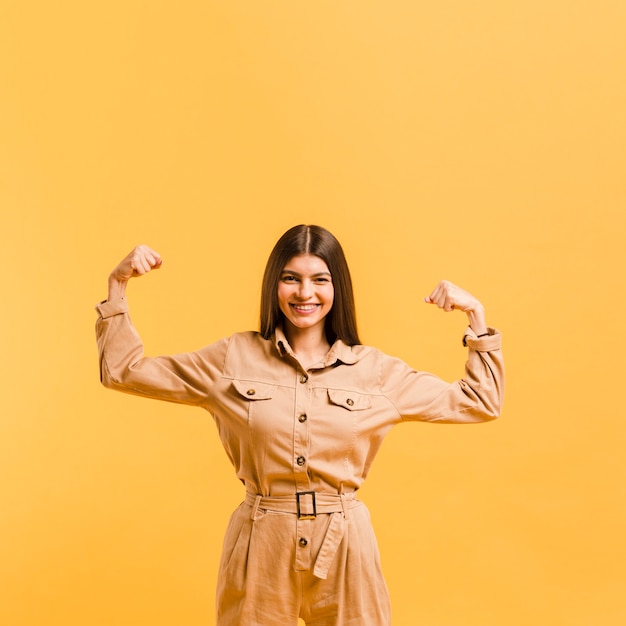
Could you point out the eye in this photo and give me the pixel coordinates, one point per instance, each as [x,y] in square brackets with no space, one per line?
[289,278]
[322,279]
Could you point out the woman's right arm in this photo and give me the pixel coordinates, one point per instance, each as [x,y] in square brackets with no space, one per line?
[184,378]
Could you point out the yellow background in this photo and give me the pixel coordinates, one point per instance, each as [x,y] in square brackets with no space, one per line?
[481,142]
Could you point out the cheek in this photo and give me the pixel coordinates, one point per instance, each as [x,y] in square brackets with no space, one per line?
[331,298]
[283,296]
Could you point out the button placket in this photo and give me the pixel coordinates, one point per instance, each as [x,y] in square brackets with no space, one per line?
[303,545]
[303,558]
[301,431]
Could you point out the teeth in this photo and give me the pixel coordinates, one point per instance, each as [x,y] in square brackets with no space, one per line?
[305,307]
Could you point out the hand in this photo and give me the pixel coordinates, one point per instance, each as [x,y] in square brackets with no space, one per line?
[448,296]
[139,261]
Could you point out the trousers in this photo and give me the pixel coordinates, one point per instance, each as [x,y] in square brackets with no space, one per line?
[278,565]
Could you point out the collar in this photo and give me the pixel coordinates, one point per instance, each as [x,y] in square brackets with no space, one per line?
[339,352]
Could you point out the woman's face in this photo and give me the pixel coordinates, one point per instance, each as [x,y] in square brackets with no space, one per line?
[305,292]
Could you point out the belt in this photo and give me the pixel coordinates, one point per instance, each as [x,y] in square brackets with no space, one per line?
[306,506]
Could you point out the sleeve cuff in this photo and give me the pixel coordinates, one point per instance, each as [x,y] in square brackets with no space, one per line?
[483,344]
[109,309]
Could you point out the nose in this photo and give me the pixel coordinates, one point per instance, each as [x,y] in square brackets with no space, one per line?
[305,291]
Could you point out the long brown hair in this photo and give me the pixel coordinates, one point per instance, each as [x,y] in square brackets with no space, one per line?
[315,240]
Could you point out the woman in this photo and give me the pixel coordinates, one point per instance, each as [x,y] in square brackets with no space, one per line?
[302,408]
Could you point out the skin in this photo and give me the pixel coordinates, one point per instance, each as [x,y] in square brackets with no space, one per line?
[304,281]
[139,261]
[305,296]
[450,297]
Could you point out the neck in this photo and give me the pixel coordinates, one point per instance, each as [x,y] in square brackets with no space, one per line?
[308,344]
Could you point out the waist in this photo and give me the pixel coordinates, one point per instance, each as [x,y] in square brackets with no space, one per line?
[304,504]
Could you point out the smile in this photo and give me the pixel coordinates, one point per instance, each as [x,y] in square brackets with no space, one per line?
[304,308]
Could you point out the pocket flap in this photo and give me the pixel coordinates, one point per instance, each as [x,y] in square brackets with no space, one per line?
[350,400]
[253,390]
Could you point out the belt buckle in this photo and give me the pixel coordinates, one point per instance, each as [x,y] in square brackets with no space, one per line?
[302,515]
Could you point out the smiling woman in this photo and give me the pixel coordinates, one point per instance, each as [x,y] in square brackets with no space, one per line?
[302,408]
[320,246]
[305,297]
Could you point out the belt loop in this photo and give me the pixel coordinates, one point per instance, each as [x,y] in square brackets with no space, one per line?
[255,507]
[344,506]
[342,499]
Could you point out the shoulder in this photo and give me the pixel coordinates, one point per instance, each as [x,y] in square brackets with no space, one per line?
[235,345]
[248,353]
[248,339]
[387,367]
[364,356]
[369,353]
[366,368]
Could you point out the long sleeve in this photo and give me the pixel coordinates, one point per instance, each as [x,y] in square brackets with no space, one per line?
[477,397]
[184,378]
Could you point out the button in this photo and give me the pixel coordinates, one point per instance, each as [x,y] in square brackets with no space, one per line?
[303,542]
[302,418]
[350,402]
[300,461]
[251,392]
[304,378]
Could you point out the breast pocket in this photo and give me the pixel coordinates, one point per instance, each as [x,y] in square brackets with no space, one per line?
[268,434]
[256,402]
[350,400]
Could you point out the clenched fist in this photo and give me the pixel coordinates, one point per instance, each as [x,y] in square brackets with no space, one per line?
[139,261]
[448,296]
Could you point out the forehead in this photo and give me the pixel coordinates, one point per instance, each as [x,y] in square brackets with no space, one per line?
[306,264]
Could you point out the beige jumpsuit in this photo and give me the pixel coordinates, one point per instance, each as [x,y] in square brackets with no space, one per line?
[292,431]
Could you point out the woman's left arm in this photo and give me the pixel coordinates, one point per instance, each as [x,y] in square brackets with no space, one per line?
[477,397]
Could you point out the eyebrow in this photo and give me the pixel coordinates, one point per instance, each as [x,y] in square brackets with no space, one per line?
[287,271]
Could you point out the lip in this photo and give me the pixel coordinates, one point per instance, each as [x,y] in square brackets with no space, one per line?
[305,309]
